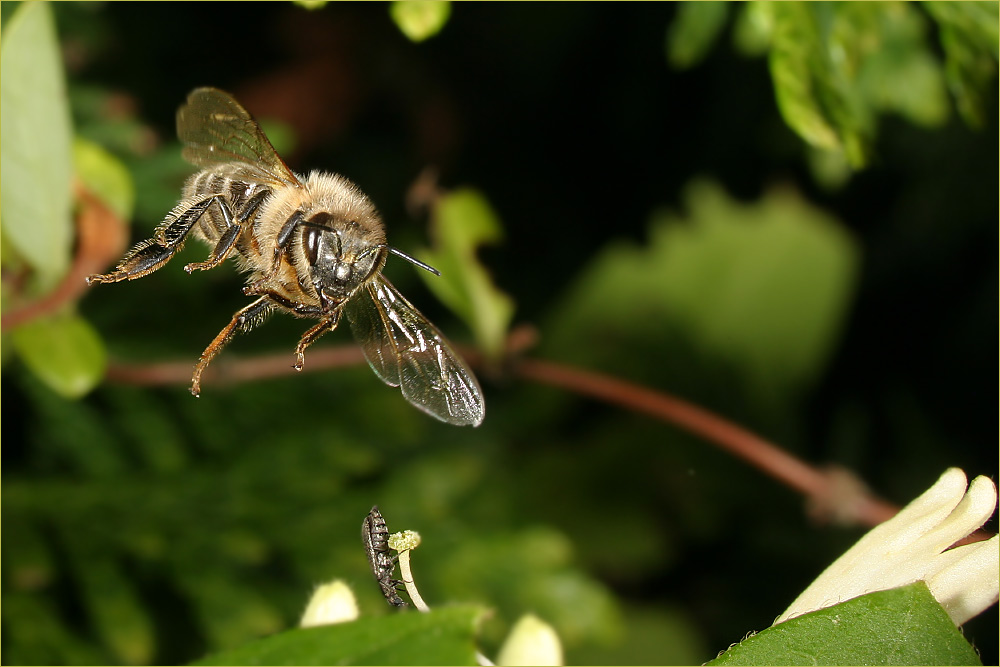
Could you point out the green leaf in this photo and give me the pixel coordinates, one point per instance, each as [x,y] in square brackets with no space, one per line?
[763,287]
[462,221]
[441,637]
[902,626]
[35,150]
[693,31]
[969,36]
[814,90]
[753,28]
[64,351]
[420,19]
[115,609]
[104,175]
[897,72]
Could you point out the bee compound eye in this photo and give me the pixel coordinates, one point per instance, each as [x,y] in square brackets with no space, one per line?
[311,240]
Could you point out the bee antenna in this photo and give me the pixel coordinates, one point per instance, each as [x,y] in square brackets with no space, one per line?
[412,260]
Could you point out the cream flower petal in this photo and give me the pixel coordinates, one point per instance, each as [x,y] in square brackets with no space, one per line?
[913,546]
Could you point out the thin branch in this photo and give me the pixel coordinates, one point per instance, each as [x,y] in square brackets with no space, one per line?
[101,238]
[832,493]
[233,370]
[824,489]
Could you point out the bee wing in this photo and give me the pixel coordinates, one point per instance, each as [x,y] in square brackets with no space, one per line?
[217,130]
[407,351]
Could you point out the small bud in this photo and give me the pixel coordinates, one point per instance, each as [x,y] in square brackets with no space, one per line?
[531,641]
[331,603]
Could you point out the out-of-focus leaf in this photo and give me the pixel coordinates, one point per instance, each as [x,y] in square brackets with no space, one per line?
[763,287]
[35,144]
[693,31]
[814,92]
[830,169]
[897,72]
[651,636]
[119,616]
[420,19]
[39,637]
[969,36]
[902,626]
[835,65]
[441,637]
[311,4]
[29,562]
[104,175]
[462,221]
[64,351]
[231,614]
[281,135]
[531,569]
[753,28]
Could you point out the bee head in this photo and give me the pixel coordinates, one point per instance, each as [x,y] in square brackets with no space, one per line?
[341,257]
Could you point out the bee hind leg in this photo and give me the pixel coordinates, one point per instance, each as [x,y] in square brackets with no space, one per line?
[142,260]
[152,254]
[243,320]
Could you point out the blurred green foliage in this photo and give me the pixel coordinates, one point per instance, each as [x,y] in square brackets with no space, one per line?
[836,65]
[460,222]
[145,526]
[761,288]
[420,19]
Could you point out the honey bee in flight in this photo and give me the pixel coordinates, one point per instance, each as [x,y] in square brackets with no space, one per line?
[314,246]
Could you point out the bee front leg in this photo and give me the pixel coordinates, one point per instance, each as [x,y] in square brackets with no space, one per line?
[280,246]
[243,320]
[329,323]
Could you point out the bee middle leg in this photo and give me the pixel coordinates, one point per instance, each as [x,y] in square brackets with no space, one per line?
[234,227]
[243,320]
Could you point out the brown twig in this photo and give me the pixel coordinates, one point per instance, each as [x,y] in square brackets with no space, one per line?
[822,488]
[833,494]
[232,369]
[101,238]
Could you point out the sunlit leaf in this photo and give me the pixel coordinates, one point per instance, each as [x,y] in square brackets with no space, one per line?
[420,19]
[461,222]
[64,351]
[35,143]
[441,637]
[753,28]
[814,92]
[104,175]
[902,626]
[694,30]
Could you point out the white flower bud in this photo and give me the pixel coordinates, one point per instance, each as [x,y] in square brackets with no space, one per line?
[531,642]
[331,603]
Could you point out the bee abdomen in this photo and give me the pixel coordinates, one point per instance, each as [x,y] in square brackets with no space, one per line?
[234,192]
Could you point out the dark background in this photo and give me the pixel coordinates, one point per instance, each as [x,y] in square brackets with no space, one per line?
[570,120]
